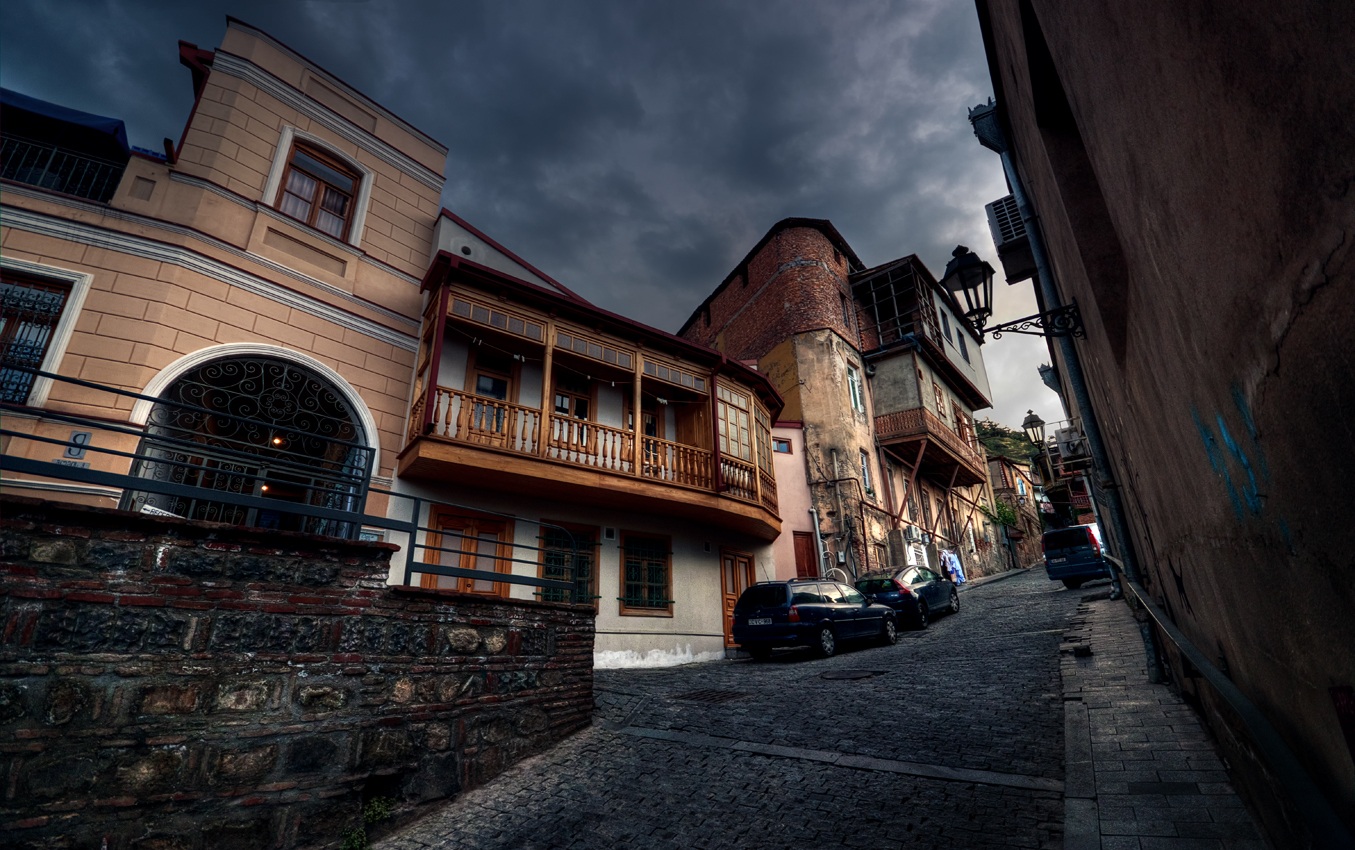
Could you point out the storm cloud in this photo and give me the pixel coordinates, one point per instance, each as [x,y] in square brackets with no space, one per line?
[633,151]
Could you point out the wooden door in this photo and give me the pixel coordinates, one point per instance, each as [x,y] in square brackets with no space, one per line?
[471,542]
[736,573]
[806,555]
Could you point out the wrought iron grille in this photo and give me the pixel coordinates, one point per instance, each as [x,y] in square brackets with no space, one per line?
[29,312]
[51,167]
[254,426]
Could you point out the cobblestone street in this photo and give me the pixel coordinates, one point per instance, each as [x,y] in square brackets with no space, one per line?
[952,738]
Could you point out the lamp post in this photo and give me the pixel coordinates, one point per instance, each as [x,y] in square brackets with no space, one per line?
[971,279]
[1033,425]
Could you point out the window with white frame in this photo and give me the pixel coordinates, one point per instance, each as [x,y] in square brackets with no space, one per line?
[38,309]
[318,190]
[865,472]
[855,390]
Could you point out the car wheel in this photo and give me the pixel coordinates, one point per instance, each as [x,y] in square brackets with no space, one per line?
[1073,583]
[921,620]
[759,652]
[954,601]
[827,642]
[889,633]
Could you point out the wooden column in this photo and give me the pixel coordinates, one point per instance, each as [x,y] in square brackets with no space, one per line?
[547,391]
[637,417]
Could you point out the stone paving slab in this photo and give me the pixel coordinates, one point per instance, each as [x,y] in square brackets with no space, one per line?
[1142,773]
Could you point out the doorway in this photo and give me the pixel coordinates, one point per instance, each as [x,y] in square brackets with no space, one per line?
[736,573]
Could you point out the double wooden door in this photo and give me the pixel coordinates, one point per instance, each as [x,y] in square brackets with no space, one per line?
[736,573]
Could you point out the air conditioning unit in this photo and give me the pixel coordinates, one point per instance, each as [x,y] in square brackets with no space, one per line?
[1072,445]
[1009,235]
[912,534]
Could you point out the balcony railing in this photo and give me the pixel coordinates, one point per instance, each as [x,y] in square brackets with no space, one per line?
[484,422]
[921,422]
[466,418]
[50,167]
[589,444]
[739,477]
[677,464]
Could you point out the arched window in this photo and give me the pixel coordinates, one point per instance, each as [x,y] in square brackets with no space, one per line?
[254,426]
[318,189]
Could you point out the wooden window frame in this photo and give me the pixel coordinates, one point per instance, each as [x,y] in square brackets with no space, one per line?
[856,390]
[623,608]
[778,442]
[467,525]
[591,599]
[329,160]
[732,433]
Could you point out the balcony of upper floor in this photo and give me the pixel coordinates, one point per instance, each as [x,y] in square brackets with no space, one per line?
[521,389]
[59,149]
[939,452]
[900,307]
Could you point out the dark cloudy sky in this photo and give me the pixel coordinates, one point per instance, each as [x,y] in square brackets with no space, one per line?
[632,150]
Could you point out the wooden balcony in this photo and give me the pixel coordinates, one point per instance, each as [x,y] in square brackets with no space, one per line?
[485,443]
[945,455]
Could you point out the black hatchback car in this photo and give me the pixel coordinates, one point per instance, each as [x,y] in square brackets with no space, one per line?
[808,612]
[915,592]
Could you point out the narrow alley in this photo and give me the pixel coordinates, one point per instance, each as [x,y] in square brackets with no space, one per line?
[953,738]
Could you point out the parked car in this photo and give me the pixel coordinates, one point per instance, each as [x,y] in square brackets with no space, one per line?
[1073,555]
[915,592]
[818,613]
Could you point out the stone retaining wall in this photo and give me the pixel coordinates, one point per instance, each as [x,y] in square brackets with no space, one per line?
[167,685]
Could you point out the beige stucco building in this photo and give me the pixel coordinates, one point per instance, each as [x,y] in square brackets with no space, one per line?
[278,312]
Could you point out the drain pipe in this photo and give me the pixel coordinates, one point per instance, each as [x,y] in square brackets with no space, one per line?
[818,540]
[990,134]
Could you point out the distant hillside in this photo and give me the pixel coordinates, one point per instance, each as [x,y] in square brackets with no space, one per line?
[999,439]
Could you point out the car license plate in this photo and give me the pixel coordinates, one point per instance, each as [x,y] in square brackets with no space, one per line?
[1057,560]
[759,621]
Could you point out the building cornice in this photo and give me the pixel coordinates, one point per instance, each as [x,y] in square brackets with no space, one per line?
[138,246]
[243,69]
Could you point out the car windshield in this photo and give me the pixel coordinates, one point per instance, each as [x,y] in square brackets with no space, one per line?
[875,585]
[763,596]
[1066,538]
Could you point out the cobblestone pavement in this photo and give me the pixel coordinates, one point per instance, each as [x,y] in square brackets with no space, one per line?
[954,738]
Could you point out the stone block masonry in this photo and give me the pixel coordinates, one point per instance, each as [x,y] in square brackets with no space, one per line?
[169,685]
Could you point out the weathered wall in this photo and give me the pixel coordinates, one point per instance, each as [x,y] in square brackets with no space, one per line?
[796,283]
[1191,168]
[172,685]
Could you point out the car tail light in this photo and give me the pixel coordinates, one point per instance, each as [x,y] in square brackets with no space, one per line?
[1096,546]
[794,616]
[902,589]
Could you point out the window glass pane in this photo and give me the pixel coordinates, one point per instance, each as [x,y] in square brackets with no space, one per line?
[338,179]
[29,311]
[491,387]
[486,558]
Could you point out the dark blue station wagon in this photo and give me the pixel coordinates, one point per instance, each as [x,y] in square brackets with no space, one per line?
[808,612]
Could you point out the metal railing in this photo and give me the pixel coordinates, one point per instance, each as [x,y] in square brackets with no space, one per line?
[231,479]
[50,167]
[1325,828]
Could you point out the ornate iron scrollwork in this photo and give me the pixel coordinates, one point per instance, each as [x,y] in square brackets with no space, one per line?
[1061,321]
[254,426]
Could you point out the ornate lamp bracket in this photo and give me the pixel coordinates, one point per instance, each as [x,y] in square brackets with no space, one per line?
[1061,321]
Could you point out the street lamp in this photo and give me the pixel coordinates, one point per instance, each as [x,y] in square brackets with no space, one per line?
[1033,425]
[972,279]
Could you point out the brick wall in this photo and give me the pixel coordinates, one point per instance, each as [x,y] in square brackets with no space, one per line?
[179,686]
[794,284]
